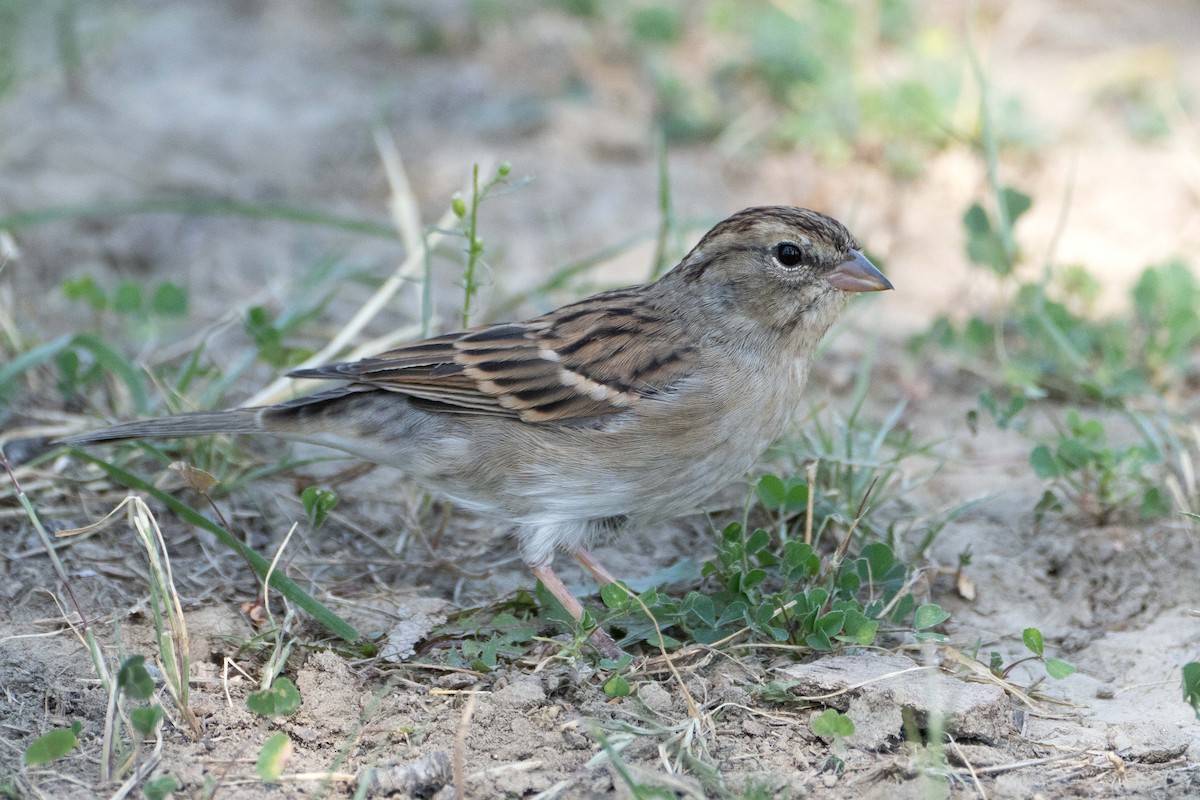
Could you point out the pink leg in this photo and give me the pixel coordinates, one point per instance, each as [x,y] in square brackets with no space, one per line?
[603,642]
[602,576]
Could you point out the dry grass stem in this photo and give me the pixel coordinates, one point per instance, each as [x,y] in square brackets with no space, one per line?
[460,747]
[284,387]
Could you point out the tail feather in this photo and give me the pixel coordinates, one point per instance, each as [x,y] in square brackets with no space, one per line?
[238,420]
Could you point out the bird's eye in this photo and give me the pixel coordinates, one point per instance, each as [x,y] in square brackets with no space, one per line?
[788,254]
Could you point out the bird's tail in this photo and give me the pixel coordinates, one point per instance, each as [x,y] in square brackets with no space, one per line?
[237,420]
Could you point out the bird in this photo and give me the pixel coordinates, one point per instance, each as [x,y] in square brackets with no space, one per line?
[629,407]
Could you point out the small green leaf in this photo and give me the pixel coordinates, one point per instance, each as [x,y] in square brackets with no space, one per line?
[615,597]
[489,657]
[1043,462]
[771,492]
[50,746]
[929,615]
[1073,453]
[1015,202]
[702,607]
[979,334]
[146,719]
[160,788]
[818,640]
[134,680]
[800,560]
[281,700]
[831,624]
[797,496]
[859,629]
[879,559]
[1033,640]
[976,220]
[1058,669]
[1191,685]
[757,541]
[1049,502]
[318,503]
[617,686]
[753,578]
[1154,503]
[273,757]
[984,245]
[658,24]
[832,724]
[128,297]
[84,288]
[169,300]
[903,607]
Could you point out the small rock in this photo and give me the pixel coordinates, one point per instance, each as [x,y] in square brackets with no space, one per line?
[752,727]
[418,616]
[521,693]
[305,733]
[455,680]
[887,685]
[977,755]
[1147,742]
[656,698]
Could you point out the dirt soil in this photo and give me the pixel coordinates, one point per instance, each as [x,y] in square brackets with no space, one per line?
[273,101]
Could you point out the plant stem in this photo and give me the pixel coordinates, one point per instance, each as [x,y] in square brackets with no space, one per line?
[473,249]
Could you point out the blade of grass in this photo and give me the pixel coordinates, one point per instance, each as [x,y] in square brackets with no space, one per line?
[31,358]
[87,637]
[205,206]
[666,220]
[169,624]
[281,583]
[111,360]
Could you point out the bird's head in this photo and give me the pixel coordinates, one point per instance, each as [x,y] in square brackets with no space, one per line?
[773,270]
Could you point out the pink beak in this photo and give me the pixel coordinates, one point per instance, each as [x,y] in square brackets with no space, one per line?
[857,274]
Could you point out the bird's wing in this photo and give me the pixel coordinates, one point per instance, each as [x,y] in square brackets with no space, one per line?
[595,358]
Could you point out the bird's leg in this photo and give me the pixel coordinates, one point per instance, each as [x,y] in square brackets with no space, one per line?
[602,576]
[600,638]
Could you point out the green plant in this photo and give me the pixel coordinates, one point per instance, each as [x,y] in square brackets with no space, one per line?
[833,725]
[160,788]
[1094,475]
[273,757]
[1191,685]
[759,587]
[1046,347]
[484,638]
[317,504]
[280,699]
[617,685]
[135,683]
[855,459]
[468,216]
[1032,638]
[53,745]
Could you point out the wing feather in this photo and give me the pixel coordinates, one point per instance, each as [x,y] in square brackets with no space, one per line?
[593,359]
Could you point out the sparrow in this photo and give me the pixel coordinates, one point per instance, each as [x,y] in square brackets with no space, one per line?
[630,407]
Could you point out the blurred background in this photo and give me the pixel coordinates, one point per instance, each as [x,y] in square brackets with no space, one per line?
[197,196]
[637,122]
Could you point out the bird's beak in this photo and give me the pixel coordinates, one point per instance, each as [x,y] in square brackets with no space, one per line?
[857,274]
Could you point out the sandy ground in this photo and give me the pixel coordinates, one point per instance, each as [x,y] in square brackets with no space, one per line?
[274,102]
